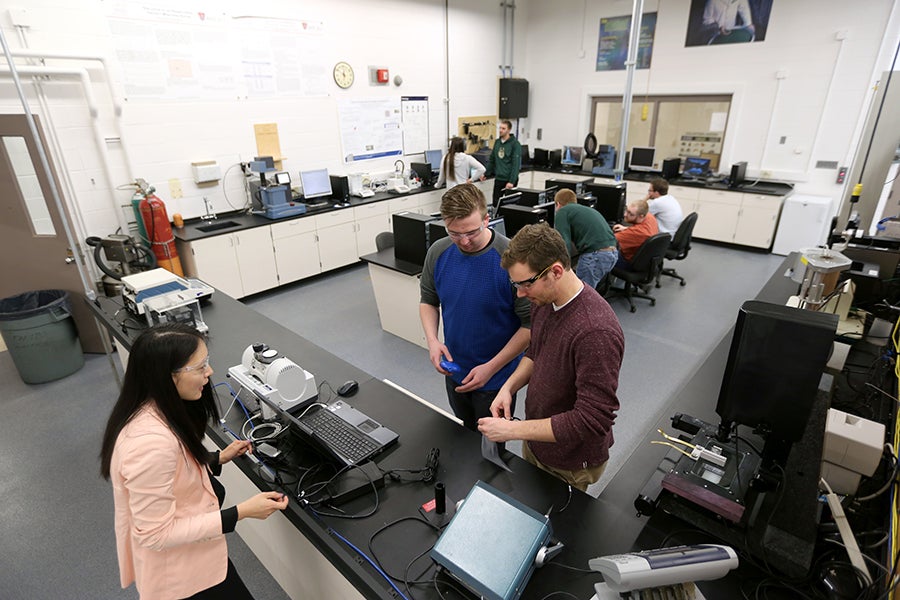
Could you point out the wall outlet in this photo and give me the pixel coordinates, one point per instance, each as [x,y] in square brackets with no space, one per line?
[765,173]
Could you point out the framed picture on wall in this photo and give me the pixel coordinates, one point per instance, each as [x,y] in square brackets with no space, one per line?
[612,46]
[713,22]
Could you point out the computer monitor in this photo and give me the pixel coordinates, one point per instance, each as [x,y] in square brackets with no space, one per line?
[777,357]
[433,157]
[605,161]
[526,155]
[642,159]
[694,166]
[541,157]
[315,183]
[423,171]
[572,156]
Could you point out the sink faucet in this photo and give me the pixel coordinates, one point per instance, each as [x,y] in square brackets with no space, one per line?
[210,213]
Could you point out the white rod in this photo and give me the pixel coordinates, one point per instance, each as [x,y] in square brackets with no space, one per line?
[630,64]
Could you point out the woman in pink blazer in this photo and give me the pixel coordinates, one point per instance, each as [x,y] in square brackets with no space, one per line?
[169,523]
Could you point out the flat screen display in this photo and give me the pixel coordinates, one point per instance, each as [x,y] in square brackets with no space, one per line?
[694,166]
[315,183]
[572,155]
[434,158]
[642,159]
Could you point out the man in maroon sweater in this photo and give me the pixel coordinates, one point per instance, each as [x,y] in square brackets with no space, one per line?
[571,367]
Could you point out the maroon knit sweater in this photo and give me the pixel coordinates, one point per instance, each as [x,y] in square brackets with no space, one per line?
[577,352]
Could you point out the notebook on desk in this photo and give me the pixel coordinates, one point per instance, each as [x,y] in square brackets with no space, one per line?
[342,432]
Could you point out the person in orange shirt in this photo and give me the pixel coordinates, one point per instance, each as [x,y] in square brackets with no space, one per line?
[169,527]
[641,225]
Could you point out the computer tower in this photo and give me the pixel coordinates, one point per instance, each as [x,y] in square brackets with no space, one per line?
[777,357]
[513,98]
[671,168]
[411,236]
[587,199]
[541,157]
[610,199]
[576,186]
[550,207]
[531,197]
[340,187]
[516,217]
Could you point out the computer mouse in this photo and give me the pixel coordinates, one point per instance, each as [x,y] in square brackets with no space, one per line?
[348,389]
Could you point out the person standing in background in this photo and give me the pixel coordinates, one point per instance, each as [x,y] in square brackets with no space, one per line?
[505,161]
[459,167]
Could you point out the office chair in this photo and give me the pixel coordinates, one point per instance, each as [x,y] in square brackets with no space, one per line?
[384,240]
[680,246]
[645,266]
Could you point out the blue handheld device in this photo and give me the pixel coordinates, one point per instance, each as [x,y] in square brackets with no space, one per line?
[450,367]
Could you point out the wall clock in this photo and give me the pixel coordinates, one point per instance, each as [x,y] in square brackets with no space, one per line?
[343,75]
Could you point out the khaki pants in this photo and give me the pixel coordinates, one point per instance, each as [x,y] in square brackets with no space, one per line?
[580,478]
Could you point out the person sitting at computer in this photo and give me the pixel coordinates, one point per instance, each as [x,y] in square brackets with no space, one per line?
[458,167]
[664,206]
[168,523]
[588,238]
[641,225]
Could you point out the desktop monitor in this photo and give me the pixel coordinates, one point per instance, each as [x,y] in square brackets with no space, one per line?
[572,156]
[424,172]
[315,183]
[642,159]
[605,160]
[541,157]
[526,156]
[433,157]
[694,166]
[777,357]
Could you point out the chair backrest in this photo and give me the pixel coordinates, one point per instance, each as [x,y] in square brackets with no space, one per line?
[681,243]
[384,240]
[649,257]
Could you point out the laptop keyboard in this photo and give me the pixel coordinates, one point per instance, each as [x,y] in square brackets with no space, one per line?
[340,436]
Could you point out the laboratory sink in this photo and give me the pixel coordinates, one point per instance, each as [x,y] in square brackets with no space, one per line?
[217,226]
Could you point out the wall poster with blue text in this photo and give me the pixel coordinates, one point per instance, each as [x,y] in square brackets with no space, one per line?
[612,47]
[713,22]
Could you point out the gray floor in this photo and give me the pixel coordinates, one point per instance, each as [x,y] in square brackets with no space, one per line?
[56,512]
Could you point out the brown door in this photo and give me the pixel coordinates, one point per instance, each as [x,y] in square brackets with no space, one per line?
[33,244]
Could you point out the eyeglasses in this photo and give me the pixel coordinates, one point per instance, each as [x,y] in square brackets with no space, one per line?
[468,235]
[201,367]
[527,283]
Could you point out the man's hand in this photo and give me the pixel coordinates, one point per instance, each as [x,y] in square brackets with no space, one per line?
[509,185]
[496,429]
[502,405]
[435,350]
[476,379]
[618,227]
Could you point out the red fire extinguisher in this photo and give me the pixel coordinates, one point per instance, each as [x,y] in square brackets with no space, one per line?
[159,232]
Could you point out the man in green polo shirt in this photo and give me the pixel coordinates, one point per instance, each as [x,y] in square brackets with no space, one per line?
[588,238]
[505,161]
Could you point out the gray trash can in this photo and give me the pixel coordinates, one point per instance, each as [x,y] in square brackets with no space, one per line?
[40,333]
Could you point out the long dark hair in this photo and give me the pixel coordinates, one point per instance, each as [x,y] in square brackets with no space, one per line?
[155,355]
[457,144]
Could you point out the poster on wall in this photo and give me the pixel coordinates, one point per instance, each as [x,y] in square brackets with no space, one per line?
[713,22]
[612,47]
[370,128]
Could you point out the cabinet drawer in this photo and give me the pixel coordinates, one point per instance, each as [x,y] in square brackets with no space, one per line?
[293,227]
[684,193]
[763,201]
[334,218]
[370,210]
[720,196]
[410,203]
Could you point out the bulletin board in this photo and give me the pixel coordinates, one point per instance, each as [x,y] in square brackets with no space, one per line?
[478,132]
[414,110]
[370,128]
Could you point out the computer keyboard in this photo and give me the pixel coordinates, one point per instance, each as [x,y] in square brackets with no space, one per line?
[339,435]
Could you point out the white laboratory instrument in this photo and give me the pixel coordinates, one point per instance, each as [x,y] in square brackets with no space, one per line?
[804,222]
[163,297]
[271,375]
[663,567]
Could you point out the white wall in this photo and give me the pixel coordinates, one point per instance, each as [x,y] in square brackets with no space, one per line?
[163,136]
[818,108]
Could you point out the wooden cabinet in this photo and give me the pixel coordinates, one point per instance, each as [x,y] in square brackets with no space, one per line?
[296,250]
[239,264]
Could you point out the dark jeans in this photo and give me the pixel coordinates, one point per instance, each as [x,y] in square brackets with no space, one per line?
[232,588]
[471,406]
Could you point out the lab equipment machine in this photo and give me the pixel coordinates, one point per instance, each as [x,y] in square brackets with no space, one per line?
[269,374]
[273,196]
[160,296]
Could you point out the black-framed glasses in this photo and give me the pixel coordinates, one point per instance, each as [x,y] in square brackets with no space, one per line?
[527,283]
[468,234]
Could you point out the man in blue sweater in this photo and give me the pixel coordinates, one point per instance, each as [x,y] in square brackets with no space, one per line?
[485,324]
[571,367]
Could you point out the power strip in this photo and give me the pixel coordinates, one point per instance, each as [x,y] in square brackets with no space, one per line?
[354,483]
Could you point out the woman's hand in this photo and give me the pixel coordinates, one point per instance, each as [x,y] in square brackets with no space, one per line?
[262,505]
[235,449]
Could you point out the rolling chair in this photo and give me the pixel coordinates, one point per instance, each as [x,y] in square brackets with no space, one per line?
[680,246]
[384,240]
[645,267]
